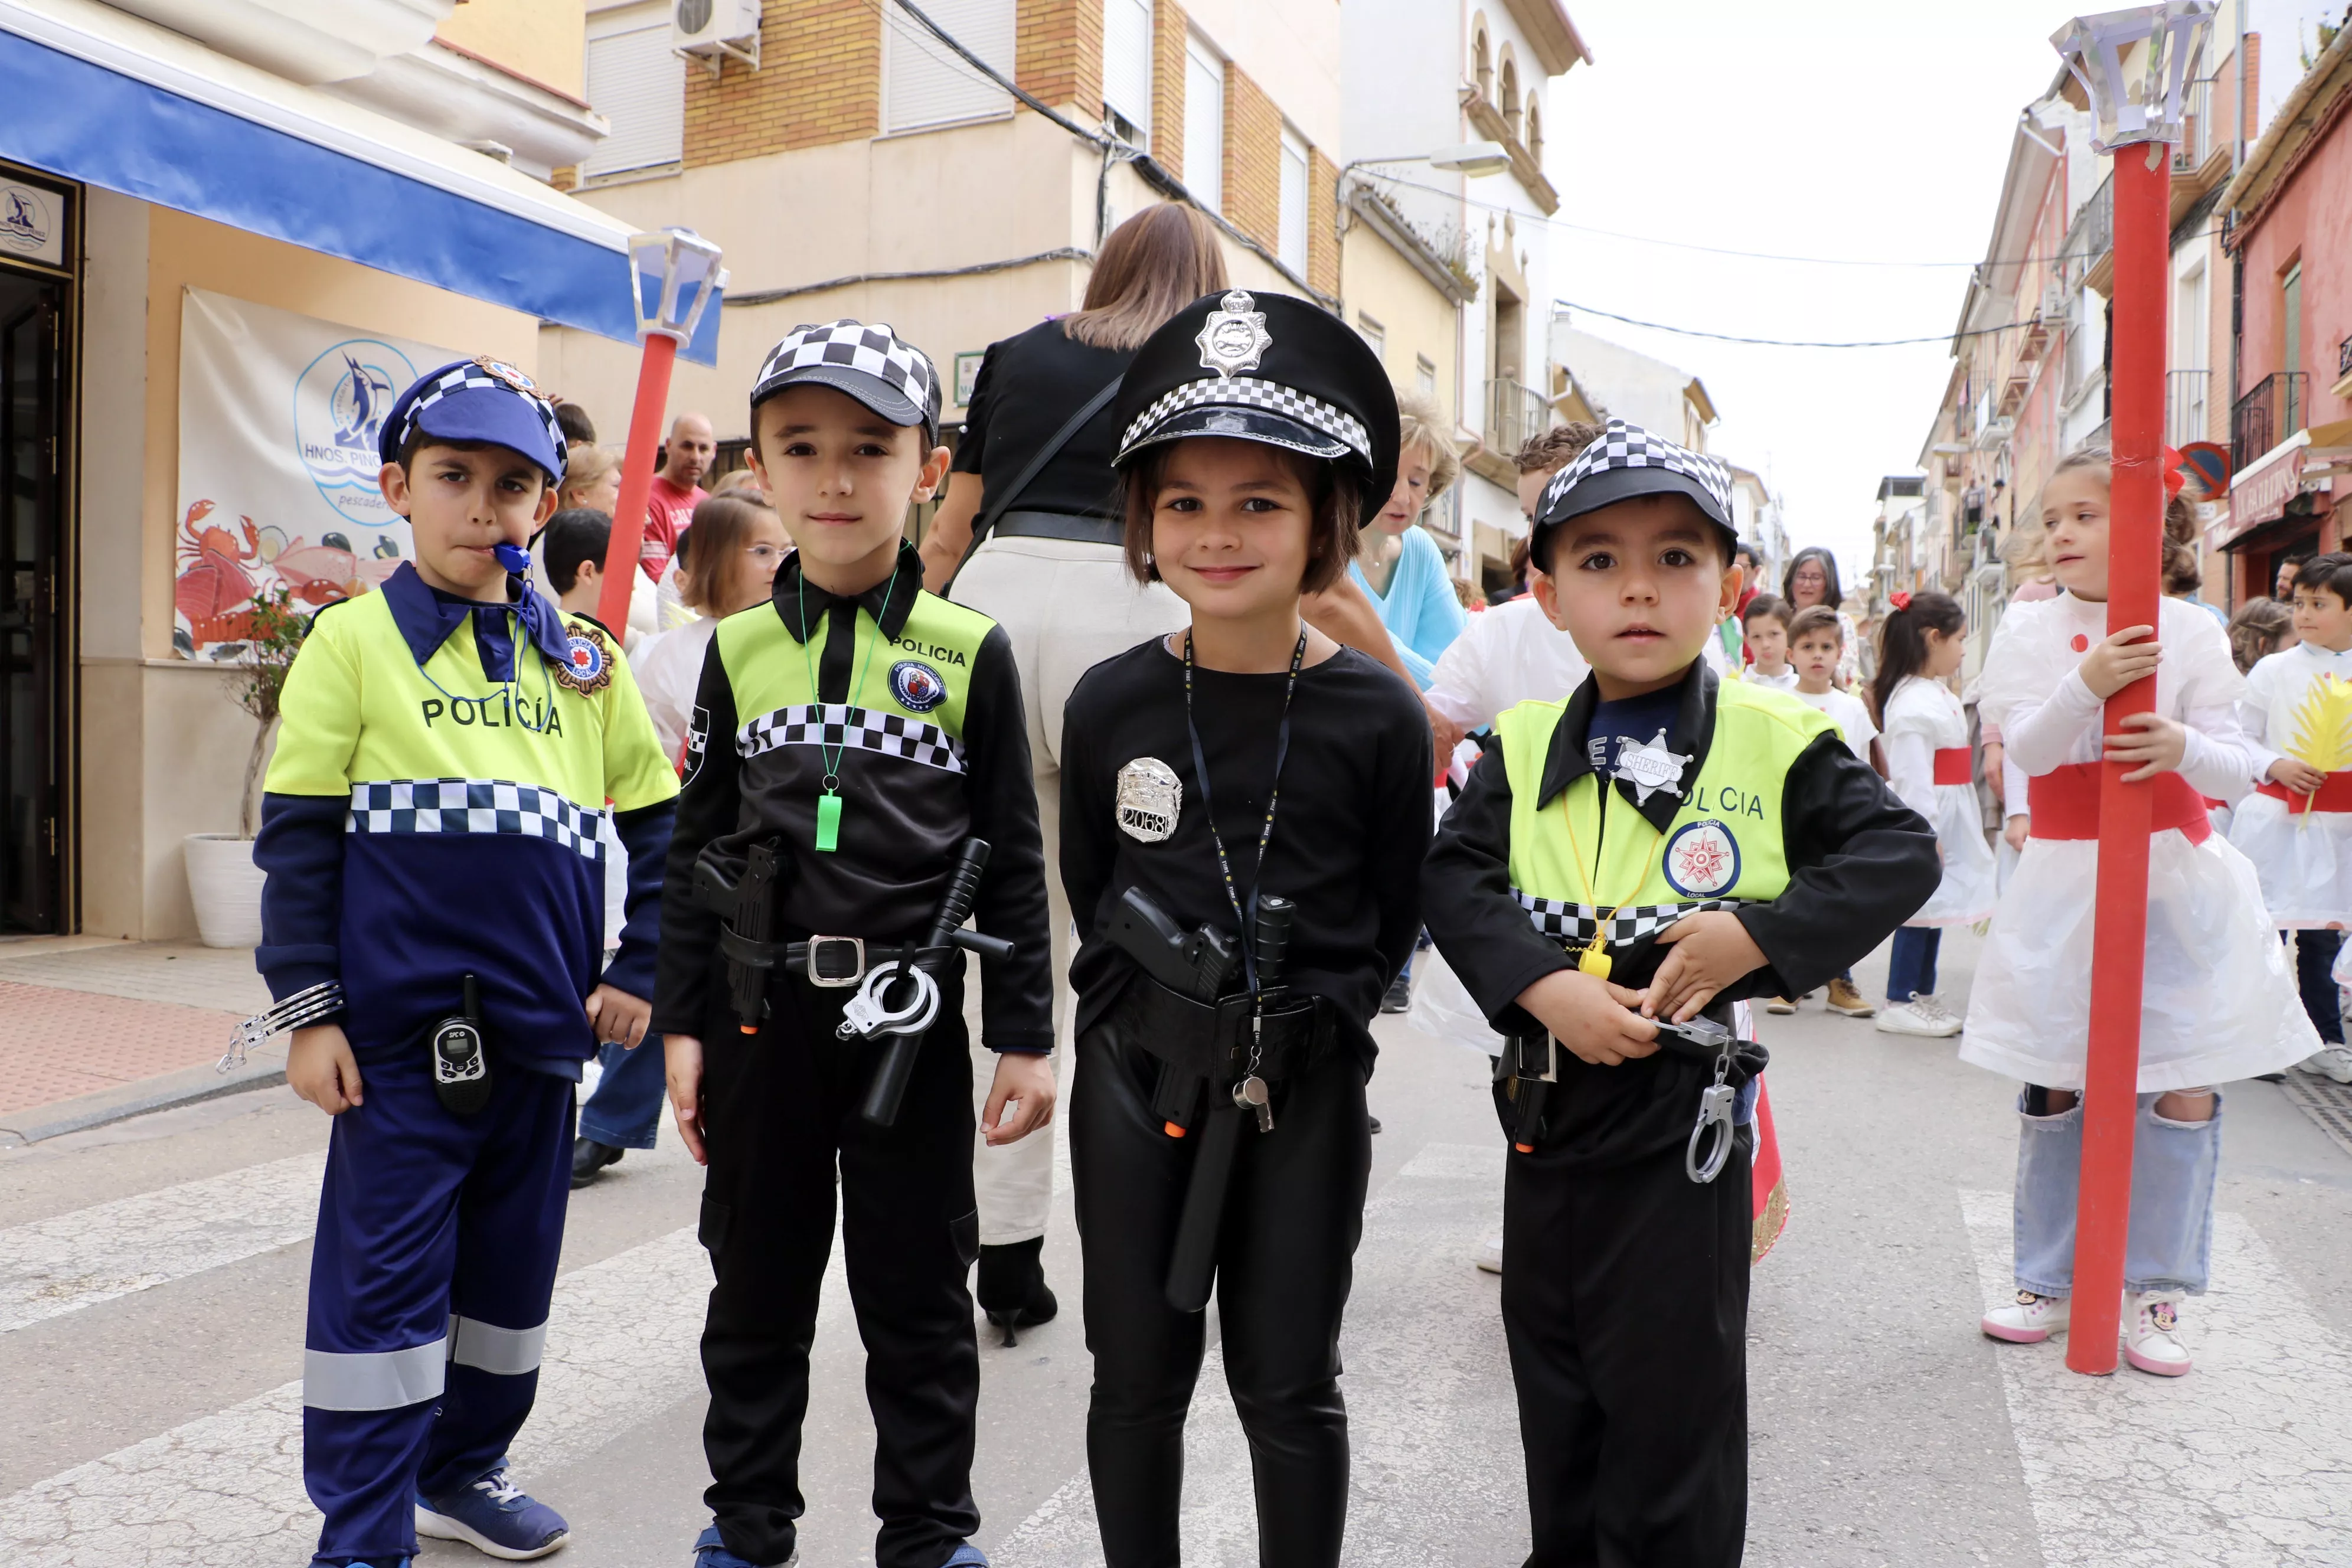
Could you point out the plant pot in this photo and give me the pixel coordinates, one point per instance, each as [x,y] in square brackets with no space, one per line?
[226,887]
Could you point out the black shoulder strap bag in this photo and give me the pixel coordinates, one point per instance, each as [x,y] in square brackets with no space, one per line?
[986,524]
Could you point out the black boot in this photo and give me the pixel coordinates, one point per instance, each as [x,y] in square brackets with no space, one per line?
[589,1159]
[1011,1288]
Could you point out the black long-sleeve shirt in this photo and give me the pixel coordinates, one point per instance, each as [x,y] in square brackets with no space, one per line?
[1859,863]
[761,744]
[1348,835]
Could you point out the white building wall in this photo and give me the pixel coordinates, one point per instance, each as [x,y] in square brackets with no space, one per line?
[1291,48]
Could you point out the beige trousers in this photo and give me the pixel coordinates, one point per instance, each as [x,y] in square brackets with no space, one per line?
[1066,606]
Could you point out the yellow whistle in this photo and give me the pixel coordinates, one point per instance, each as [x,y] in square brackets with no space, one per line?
[1595,961]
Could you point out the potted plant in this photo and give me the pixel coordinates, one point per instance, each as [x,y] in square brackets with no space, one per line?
[222,881]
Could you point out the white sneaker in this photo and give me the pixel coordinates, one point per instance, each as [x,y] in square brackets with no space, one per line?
[1490,1255]
[2329,1061]
[1919,1016]
[2152,1343]
[2028,1320]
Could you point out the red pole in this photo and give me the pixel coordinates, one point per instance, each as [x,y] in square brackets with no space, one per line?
[2143,175]
[636,483]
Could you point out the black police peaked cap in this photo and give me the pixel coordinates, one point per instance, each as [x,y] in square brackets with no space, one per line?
[1269,368]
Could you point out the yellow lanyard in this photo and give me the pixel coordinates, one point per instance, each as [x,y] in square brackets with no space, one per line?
[1593,958]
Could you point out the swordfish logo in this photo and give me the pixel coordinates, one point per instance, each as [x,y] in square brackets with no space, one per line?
[340,402]
[27,225]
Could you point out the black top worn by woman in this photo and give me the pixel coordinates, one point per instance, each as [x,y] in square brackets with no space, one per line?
[1029,385]
[1349,832]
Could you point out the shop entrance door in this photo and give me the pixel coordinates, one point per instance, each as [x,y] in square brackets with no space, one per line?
[32,527]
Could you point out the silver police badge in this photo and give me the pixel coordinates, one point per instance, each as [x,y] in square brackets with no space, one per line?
[1149,798]
[1235,336]
[1650,768]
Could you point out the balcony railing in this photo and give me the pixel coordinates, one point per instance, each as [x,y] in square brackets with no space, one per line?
[2268,415]
[2093,233]
[2197,133]
[2186,415]
[1442,516]
[1515,414]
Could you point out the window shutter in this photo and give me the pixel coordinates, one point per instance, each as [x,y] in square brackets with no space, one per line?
[1293,202]
[1127,60]
[1204,127]
[927,83]
[634,81]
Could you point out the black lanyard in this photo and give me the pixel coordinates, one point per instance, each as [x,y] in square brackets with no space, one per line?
[1272,799]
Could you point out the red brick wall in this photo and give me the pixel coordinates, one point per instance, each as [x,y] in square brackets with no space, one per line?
[1253,159]
[819,81]
[1168,33]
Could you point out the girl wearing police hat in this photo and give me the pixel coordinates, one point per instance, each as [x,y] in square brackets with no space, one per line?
[1244,808]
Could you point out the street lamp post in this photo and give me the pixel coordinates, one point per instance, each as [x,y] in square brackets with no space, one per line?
[673,276]
[2135,118]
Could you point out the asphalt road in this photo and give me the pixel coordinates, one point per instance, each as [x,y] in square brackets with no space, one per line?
[152,1281]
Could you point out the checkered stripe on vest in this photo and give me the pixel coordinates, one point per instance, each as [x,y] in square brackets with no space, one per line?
[475,806]
[839,724]
[1575,923]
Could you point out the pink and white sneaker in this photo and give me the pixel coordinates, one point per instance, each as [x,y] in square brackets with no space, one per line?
[2153,1342]
[2030,1319]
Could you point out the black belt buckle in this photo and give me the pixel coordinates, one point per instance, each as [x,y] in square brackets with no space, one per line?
[835,962]
[461,1062]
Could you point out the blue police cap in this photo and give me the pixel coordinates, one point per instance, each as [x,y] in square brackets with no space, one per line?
[477,399]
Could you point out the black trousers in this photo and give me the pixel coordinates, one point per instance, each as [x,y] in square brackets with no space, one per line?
[781,1109]
[1285,1263]
[1625,1306]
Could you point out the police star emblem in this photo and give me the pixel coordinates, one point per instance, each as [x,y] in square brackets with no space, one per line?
[1235,337]
[1650,768]
[587,665]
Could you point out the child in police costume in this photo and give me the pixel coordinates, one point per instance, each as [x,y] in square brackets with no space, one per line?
[433,921]
[1637,854]
[859,731]
[1217,772]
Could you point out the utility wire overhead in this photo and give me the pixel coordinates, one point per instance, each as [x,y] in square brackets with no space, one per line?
[1790,342]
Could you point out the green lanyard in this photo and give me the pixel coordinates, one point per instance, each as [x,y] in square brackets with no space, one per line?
[828,804]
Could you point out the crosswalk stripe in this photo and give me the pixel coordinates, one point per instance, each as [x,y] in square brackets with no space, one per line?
[1435,1469]
[2238,1463]
[71,1262]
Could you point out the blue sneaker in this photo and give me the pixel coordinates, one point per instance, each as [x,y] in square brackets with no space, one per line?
[709,1552]
[967,1556]
[493,1515]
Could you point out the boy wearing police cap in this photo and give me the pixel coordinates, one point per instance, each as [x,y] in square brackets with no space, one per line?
[850,739]
[1245,807]
[433,932]
[1623,865]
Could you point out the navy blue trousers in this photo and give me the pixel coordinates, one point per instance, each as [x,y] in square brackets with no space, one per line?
[2315,978]
[438,1236]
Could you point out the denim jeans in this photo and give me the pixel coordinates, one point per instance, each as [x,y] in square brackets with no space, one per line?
[1911,962]
[626,1107]
[2314,960]
[2171,1242]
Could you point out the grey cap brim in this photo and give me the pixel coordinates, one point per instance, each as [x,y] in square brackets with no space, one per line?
[878,396]
[1597,490]
[1244,425]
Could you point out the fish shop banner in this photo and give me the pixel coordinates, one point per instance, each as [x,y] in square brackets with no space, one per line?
[278,416]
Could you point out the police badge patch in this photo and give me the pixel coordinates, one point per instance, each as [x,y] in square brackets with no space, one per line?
[697,741]
[1235,336]
[1149,800]
[1702,859]
[918,686]
[587,666]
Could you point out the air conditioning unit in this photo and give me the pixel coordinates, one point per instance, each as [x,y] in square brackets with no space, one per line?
[2053,302]
[716,30]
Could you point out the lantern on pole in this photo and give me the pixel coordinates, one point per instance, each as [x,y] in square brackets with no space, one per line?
[673,276]
[2133,65]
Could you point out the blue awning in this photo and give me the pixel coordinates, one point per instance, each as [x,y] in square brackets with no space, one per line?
[100,97]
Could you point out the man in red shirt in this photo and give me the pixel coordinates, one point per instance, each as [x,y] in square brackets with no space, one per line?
[676,491]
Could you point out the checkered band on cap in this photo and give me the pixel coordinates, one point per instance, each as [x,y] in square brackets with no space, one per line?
[475,806]
[1624,446]
[860,729]
[483,374]
[1575,923]
[870,347]
[1248,391]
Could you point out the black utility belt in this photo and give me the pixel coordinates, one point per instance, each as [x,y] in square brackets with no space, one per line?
[1214,1040]
[829,963]
[1060,525]
[1532,1062]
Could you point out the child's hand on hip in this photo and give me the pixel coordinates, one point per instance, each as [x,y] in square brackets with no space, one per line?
[682,1065]
[1021,1097]
[2294,773]
[618,1018]
[320,1068]
[2155,745]
[1591,1018]
[2121,659]
[1708,951]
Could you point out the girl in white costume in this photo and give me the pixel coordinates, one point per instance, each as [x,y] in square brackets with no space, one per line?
[2218,1002]
[2296,827]
[1931,765]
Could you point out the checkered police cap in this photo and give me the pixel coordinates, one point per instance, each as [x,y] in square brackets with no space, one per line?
[477,399]
[866,360]
[1628,462]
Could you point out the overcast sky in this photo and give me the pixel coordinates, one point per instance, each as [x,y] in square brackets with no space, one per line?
[1867,131]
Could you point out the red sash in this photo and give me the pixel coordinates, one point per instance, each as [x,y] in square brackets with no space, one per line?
[2065,804]
[2336,795]
[1953,765]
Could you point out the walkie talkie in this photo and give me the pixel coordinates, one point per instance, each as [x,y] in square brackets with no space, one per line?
[461,1065]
